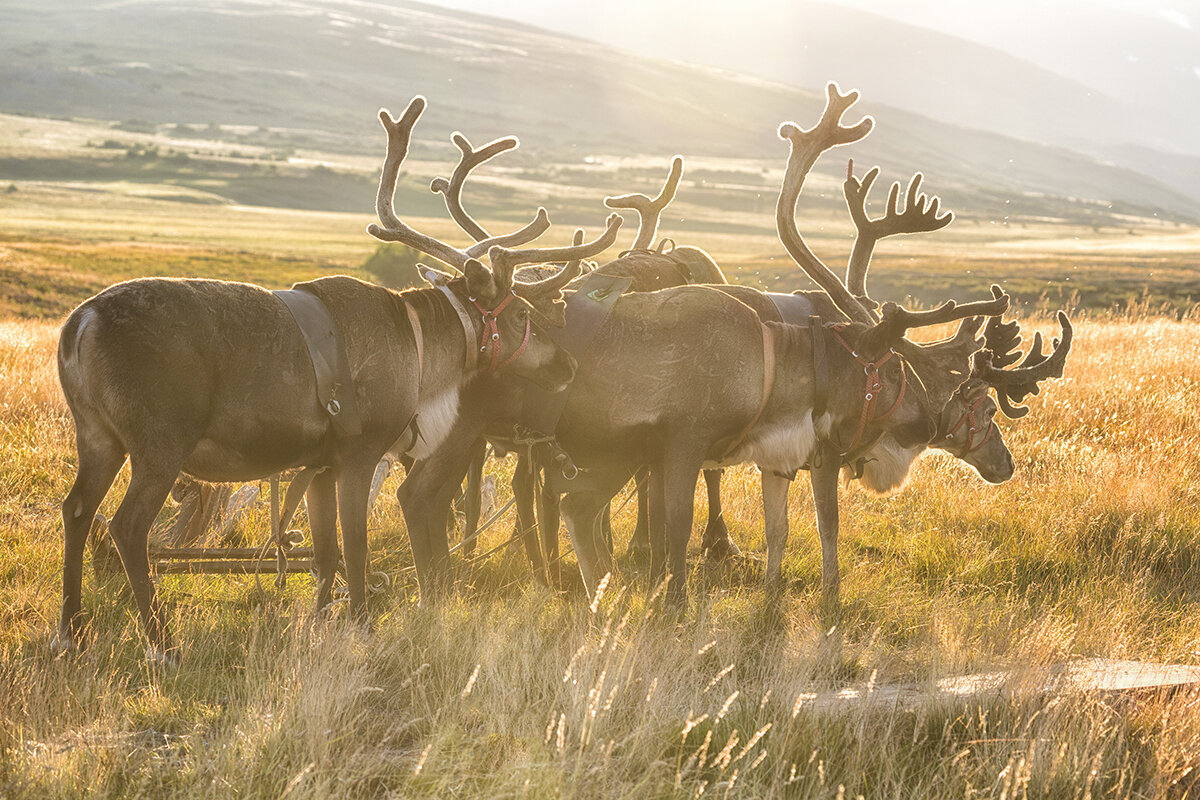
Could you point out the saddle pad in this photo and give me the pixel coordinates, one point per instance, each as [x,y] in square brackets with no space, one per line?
[327,351]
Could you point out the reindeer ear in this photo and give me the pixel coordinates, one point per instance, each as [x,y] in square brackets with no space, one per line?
[974,390]
[555,312]
[548,305]
[481,283]
[434,277]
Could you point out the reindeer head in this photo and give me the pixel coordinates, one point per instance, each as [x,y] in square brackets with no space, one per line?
[513,316]
[955,374]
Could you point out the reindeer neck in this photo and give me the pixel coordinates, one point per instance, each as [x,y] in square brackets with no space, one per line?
[445,340]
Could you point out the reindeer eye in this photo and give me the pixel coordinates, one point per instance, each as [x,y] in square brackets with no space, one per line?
[523,314]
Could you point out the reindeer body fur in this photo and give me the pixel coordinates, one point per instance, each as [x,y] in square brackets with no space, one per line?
[214,379]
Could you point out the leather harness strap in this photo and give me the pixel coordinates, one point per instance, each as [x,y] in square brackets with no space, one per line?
[415,322]
[491,333]
[468,326]
[871,390]
[968,418]
[768,337]
[820,368]
[327,353]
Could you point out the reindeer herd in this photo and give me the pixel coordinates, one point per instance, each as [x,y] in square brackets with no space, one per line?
[650,367]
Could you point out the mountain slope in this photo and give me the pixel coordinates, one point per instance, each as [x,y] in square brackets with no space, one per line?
[325,66]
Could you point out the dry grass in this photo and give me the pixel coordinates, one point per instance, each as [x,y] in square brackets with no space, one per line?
[1092,550]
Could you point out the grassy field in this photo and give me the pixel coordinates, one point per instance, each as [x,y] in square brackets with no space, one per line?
[1091,550]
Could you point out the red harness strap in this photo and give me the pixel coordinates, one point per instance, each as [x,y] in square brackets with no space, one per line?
[968,418]
[491,333]
[871,390]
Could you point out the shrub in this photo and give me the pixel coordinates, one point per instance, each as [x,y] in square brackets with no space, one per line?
[394,265]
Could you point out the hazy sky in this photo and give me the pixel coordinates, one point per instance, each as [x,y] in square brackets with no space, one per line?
[1004,24]
[962,17]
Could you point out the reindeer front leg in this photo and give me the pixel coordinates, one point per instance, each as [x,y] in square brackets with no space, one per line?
[674,495]
[354,489]
[472,497]
[424,498]
[775,508]
[524,486]
[321,499]
[715,541]
[825,499]
[581,510]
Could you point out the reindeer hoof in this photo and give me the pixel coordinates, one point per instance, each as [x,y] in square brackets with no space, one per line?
[721,549]
[63,644]
[638,551]
[162,658]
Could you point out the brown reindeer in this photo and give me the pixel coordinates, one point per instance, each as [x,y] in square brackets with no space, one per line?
[214,379]
[688,375]
[648,270]
[965,419]
[965,427]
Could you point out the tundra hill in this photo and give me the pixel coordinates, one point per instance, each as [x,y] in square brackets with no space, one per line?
[314,71]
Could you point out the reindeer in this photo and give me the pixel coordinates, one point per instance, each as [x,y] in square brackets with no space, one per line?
[957,372]
[965,426]
[214,379]
[648,270]
[688,375]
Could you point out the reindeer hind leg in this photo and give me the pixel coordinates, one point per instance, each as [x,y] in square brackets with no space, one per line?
[100,458]
[149,483]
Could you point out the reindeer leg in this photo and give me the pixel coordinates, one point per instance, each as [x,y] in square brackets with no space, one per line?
[655,532]
[472,497]
[825,498]
[639,543]
[321,499]
[527,525]
[582,510]
[425,497]
[100,458]
[716,542]
[548,519]
[680,470]
[149,485]
[775,502]
[606,527]
[353,490]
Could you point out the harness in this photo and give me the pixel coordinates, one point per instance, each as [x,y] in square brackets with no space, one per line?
[665,250]
[968,419]
[327,353]
[870,390]
[490,336]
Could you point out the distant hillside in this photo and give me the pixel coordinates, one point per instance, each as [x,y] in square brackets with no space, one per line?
[313,72]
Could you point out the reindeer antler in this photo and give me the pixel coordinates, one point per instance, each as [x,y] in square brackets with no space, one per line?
[807,146]
[649,211]
[1015,384]
[920,214]
[499,248]
[452,190]
[503,257]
